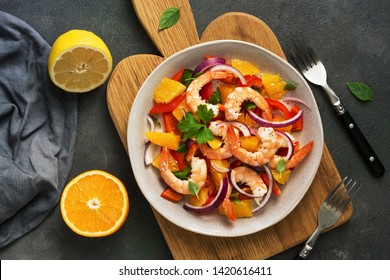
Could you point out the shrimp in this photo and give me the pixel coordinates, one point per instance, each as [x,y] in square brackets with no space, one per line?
[268,147]
[252,179]
[294,160]
[198,173]
[193,98]
[222,152]
[238,96]
[227,205]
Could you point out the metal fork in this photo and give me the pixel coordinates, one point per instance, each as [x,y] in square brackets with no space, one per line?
[330,211]
[314,71]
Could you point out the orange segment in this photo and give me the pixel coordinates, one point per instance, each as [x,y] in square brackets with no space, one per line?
[274,85]
[245,67]
[167,90]
[94,204]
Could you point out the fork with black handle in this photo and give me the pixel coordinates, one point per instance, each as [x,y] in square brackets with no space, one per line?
[330,211]
[315,72]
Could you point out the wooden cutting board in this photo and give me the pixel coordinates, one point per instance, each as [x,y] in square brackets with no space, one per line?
[129,75]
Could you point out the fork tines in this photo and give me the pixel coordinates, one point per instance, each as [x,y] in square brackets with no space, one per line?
[303,55]
[340,197]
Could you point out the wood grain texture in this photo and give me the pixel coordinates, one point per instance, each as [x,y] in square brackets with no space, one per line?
[123,86]
[124,83]
[241,26]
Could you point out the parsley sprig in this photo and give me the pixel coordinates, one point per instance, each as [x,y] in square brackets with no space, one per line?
[198,129]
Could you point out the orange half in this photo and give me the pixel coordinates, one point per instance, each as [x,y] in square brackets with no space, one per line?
[94,204]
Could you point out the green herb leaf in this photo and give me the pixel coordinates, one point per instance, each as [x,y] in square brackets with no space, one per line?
[193,188]
[182,148]
[281,166]
[169,17]
[204,114]
[360,90]
[291,85]
[204,135]
[189,125]
[186,77]
[193,128]
[234,197]
[249,105]
[215,98]
[182,175]
[157,124]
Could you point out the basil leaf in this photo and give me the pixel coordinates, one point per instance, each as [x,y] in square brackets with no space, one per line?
[215,98]
[186,77]
[182,175]
[249,105]
[193,188]
[281,166]
[234,197]
[169,17]
[291,86]
[182,148]
[360,90]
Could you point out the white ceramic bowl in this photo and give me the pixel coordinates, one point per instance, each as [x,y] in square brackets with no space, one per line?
[148,178]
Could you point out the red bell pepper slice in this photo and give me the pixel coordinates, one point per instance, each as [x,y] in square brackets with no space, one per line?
[275,190]
[251,81]
[177,76]
[180,159]
[276,105]
[298,125]
[170,123]
[206,91]
[171,195]
[167,107]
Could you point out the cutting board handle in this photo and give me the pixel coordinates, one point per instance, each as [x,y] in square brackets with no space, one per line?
[170,40]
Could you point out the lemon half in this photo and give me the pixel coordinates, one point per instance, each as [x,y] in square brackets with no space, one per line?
[79,61]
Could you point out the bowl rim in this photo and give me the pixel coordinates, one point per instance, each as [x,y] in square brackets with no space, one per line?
[134,160]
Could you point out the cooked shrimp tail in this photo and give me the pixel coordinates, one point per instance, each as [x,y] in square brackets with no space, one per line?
[295,159]
[198,173]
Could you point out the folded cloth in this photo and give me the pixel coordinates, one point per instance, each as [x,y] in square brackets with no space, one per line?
[38,124]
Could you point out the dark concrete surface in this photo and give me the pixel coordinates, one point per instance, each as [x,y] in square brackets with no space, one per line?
[351,37]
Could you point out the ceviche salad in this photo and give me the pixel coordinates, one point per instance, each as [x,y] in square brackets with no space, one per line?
[222,136]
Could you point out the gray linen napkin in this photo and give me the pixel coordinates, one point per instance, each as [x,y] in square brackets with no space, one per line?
[38,124]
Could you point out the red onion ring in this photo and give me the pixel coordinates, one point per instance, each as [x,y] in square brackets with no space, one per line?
[262,203]
[242,127]
[151,152]
[223,189]
[219,168]
[290,144]
[151,123]
[232,180]
[266,123]
[206,64]
[295,99]
[230,69]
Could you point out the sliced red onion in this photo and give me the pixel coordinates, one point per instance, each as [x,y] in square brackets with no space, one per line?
[219,168]
[223,189]
[230,69]
[262,202]
[151,123]
[290,144]
[295,99]
[232,180]
[242,127]
[206,64]
[267,123]
[151,152]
